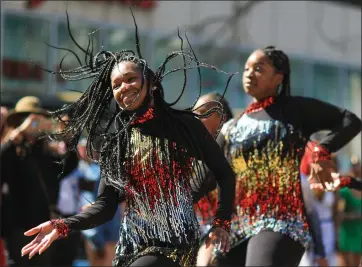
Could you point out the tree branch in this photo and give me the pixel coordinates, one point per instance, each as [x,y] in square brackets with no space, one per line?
[225,21]
[340,44]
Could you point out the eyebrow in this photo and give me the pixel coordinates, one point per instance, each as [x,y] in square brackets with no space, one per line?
[129,73]
[126,74]
[261,63]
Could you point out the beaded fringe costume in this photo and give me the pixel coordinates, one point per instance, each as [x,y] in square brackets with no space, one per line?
[265,155]
[152,171]
[159,208]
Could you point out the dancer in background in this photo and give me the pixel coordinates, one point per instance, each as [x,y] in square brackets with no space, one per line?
[264,146]
[206,206]
[148,161]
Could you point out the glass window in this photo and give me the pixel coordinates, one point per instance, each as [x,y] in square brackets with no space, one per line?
[297,77]
[354,105]
[23,40]
[81,33]
[326,83]
[354,92]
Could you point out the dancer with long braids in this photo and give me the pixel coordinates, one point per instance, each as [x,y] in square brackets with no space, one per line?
[149,154]
[264,146]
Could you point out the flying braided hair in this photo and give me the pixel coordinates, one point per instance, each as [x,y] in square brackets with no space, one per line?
[108,124]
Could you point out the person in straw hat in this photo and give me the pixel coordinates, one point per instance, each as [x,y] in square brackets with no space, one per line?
[28,118]
[29,176]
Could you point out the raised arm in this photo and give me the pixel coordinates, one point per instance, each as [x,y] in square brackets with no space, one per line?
[314,115]
[317,115]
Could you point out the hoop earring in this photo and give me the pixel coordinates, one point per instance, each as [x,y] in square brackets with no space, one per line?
[279,90]
[153,89]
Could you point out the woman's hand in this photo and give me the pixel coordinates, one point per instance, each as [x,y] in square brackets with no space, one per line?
[30,126]
[219,238]
[329,186]
[45,237]
[322,175]
[35,124]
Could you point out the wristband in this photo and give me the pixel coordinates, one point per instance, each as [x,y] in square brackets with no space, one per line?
[61,227]
[224,224]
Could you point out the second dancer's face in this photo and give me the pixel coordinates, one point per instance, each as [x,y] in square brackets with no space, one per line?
[260,80]
[126,81]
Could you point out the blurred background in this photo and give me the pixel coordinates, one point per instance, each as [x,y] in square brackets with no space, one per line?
[322,39]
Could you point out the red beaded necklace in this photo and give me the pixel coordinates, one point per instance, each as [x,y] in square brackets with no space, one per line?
[148,115]
[257,106]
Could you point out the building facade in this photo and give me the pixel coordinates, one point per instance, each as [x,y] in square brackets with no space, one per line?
[323,40]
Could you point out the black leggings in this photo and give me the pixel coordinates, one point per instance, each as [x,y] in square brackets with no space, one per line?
[264,249]
[154,261]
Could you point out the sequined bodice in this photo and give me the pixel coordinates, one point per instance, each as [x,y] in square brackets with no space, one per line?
[159,166]
[265,156]
[159,203]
